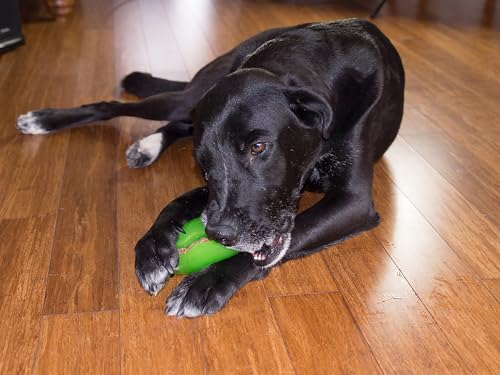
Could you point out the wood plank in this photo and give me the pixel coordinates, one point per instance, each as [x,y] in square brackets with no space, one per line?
[478,184]
[400,331]
[415,123]
[493,285]
[191,41]
[470,234]
[458,301]
[153,343]
[17,79]
[215,21]
[25,249]
[301,13]
[83,269]
[300,276]
[30,185]
[162,50]
[38,168]
[7,62]
[462,113]
[128,40]
[461,60]
[461,125]
[321,336]
[248,335]
[79,344]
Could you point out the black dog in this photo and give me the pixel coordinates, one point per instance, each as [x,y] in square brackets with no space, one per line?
[309,107]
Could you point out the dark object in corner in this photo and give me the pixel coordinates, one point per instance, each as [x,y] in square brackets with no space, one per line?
[377,9]
[11,35]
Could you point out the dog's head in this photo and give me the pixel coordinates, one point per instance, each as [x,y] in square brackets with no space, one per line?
[257,140]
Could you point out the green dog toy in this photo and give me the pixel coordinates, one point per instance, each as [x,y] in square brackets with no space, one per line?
[196,251]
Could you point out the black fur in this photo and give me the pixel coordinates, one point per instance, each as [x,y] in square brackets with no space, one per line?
[309,107]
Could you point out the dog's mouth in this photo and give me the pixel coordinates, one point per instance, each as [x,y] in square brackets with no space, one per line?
[272,251]
[266,253]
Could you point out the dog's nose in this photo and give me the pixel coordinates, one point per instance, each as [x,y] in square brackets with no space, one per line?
[223,234]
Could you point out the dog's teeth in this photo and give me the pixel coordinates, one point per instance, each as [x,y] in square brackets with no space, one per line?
[259,255]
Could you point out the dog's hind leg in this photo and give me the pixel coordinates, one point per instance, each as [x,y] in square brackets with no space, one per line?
[169,106]
[144,85]
[146,150]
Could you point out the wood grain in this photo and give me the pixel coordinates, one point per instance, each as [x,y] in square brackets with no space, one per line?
[162,50]
[493,285]
[302,276]
[79,344]
[454,296]
[389,314]
[321,335]
[29,187]
[25,252]
[191,41]
[470,234]
[247,334]
[463,171]
[153,343]
[83,269]
[128,39]
[32,167]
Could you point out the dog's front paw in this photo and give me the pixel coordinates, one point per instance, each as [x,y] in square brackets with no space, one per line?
[155,260]
[32,123]
[201,293]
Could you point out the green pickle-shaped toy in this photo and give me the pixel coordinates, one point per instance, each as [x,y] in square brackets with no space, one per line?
[196,251]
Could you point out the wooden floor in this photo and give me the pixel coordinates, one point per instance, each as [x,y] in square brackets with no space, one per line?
[419,294]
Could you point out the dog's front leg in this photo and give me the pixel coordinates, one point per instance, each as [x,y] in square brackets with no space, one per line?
[207,291]
[332,219]
[156,255]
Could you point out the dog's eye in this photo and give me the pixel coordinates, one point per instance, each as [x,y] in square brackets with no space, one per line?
[258,148]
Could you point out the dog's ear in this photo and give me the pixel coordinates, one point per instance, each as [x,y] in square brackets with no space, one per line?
[311,109]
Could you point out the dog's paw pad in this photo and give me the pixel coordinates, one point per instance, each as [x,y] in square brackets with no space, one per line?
[30,123]
[145,151]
